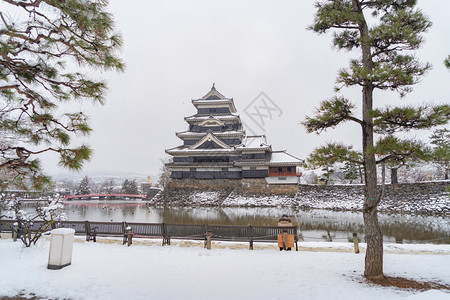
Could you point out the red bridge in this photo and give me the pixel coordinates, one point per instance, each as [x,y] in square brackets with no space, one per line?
[105,196]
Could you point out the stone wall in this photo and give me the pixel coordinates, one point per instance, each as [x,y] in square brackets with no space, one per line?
[417,190]
[425,197]
[152,193]
[220,191]
[195,192]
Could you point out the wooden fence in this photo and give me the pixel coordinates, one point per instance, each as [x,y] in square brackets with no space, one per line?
[165,231]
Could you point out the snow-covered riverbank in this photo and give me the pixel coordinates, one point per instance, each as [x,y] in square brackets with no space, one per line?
[417,198]
[228,271]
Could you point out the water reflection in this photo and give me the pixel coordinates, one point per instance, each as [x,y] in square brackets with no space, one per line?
[316,225]
[103,211]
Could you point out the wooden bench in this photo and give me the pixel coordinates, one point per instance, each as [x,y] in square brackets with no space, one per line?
[184,232]
[113,229]
[145,230]
[250,233]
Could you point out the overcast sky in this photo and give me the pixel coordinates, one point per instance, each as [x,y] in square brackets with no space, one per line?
[175,50]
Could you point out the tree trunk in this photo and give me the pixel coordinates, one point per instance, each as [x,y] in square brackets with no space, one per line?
[394,177]
[374,237]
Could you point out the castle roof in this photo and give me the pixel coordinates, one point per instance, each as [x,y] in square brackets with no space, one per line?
[280,158]
[211,138]
[200,118]
[214,98]
[187,150]
[192,134]
[213,94]
[277,159]
[254,143]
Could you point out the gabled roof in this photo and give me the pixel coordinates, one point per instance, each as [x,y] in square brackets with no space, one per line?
[282,158]
[214,98]
[210,137]
[211,121]
[213,94]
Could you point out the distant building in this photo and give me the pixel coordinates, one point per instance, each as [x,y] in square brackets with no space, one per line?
[145,187]
[216,147]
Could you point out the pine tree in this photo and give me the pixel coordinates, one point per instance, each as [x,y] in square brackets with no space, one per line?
[130,187]
[327,156]
[125,185]
[350,171]
[398,153]
[441,152]
[84,188]
[45,46]
[385,33]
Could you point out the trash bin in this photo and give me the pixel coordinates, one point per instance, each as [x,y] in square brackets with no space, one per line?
[61,245]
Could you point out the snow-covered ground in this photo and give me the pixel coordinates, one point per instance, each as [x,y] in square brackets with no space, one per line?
[185,270]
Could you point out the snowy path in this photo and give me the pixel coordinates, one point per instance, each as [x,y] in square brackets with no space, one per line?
[111,271]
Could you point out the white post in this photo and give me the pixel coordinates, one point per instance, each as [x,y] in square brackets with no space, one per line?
[61,245]
[14,232]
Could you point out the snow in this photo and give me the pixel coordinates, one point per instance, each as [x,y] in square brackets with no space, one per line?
[284,157]
[184,270]
[435,295]
[219,117]
[63,231]
[212,101]
[203,197]
[185,149]
[236,199]
[231,132]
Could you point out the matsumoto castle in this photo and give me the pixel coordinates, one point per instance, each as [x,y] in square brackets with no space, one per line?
[216,147]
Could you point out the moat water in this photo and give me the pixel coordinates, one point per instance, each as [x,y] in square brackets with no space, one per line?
[316,225]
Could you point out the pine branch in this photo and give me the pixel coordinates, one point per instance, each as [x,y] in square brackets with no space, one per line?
[396,151]
[330,114]
[332,153]
[24,4]
[390,120]
[34,80]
